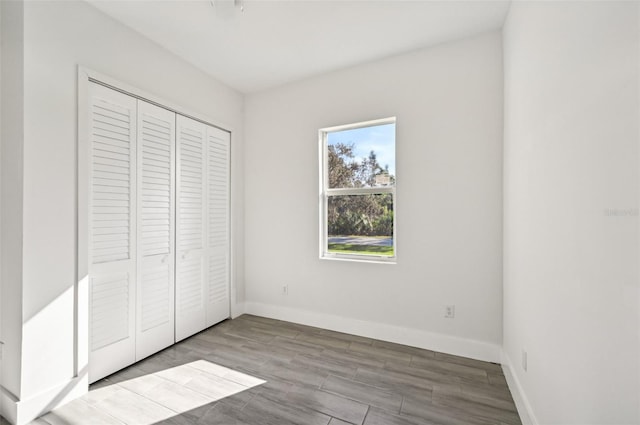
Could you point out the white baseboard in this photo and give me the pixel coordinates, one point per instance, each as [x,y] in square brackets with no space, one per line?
[21,412]
[407,336]
[519,397]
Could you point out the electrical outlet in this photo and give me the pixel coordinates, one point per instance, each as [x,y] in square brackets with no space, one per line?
[285,289]
[450,311]
[524,360]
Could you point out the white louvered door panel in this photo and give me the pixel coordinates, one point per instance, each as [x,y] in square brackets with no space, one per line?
[156,252]
[112,230]
[191,223]
[217,291]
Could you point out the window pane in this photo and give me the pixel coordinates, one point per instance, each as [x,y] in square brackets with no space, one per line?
[360,224]
[362,157]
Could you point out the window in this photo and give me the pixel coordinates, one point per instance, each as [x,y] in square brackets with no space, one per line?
[358,191]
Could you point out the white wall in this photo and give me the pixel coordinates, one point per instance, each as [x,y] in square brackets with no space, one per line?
[1,202]
[59,36]
[11,135]
[448,104]
[571,210]
[1,380]
[1,280]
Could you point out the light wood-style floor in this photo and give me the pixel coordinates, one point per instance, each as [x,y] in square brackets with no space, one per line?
[258,371]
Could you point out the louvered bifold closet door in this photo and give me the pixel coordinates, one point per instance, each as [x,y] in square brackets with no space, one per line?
[217,293]
[112,230]
[156,228]
[191,260]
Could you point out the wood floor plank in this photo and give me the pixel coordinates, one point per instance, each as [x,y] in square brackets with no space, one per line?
[490,391]
[383,353]
[251,333]
[236,359]
[239,400]
[490,367]
[132,408]
[381,417]
[399,381]
[78,413]
[280,331]
[270,351]
[336,421]
[368,394]
[297,345]
[413,374]
[433,364]
[497,379]
[177,397]
[453,409]
[220,339]
[347,337]
[221,415]
[330,404]
[325,341]
[327,366]
[269,407]
[490,409]
[413,351]
[354,358]
[296,374]
[427,413]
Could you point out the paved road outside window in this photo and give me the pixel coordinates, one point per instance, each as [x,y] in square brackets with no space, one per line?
[362,240]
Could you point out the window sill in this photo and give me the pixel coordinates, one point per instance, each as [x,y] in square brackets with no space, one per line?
[359,258]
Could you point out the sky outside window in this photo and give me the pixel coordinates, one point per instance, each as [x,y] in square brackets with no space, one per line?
[379,139]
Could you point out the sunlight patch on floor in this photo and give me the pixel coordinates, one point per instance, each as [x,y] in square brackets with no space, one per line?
[155,397]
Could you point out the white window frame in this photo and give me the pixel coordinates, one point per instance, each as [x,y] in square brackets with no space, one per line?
[326,193]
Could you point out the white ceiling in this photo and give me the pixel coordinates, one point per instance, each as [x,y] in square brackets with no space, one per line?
[275,42]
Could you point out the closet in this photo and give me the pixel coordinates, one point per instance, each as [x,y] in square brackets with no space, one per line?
[158,222]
